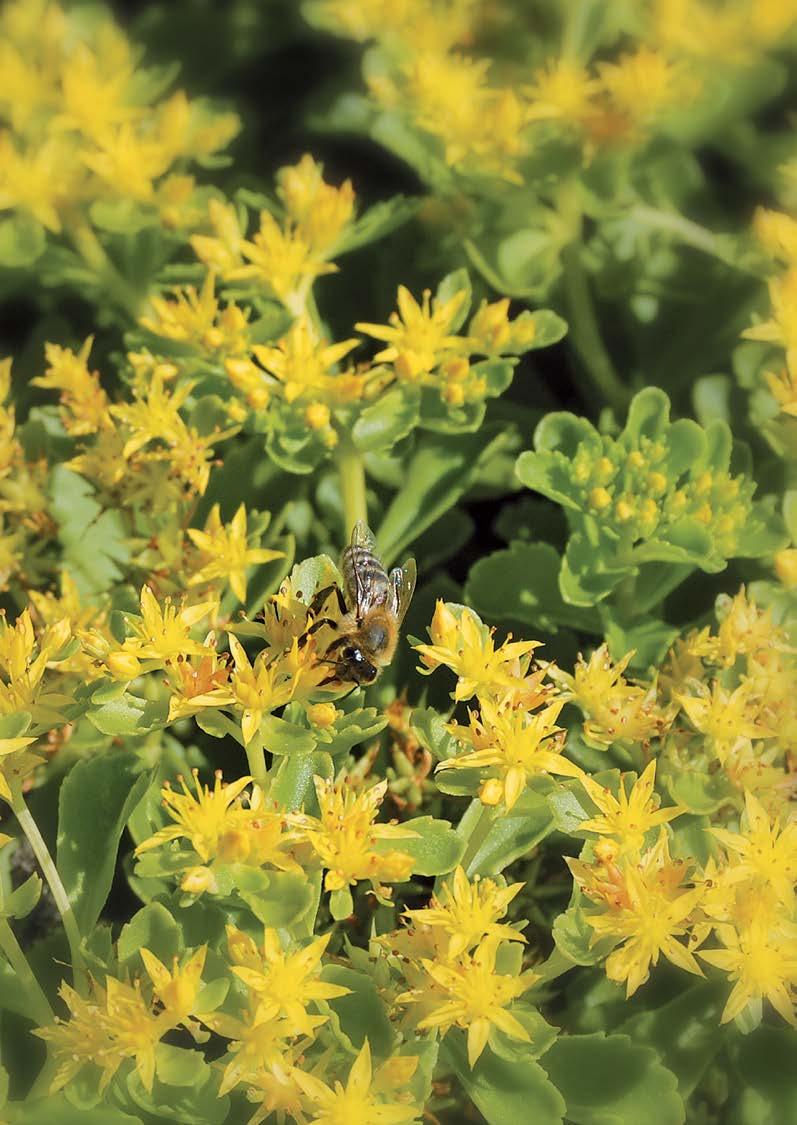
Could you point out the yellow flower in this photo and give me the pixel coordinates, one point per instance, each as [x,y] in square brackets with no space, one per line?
[284,259]
[745,630]
[786,565]
[762,960]
[154,415]
[260,1048]
[648,910]
[358,1103]
[43,182]
[163,634]
[475,998]
[564,91]
[348,842]
[465,645]
[224,551]
[629,816]
[418,336]
[203,819]
[724,716]
[177,989]
[196,683]
[781,328]
[783,387]
[221,251]
[304,365]
[96,97]
[616,711]
[282,984]
[643,83]
[480,126]
[24,660]
[114,1024]
[128,162]
[320,211]
[777,233]
[258,688]
[762,851]
[195,317]
[517,743]
[85,405]
[467,912]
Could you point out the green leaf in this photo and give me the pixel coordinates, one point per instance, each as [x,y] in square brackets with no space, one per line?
[610,1080]
[648,416]
[361,1014]
[96,798]
[152,928]
[430,727]
[129,715]
[521,584]
[58,1111]
[436,850]
[573,935]
[94,542]
[292,787]
[700,792]
[276,898]
[341,904]
[685,1032]
[284,738]
[438,473]
[504,1091]
[549,328]
[22,900]
[513,835]
[767,1088]
[180,1066]
[376,223]
[456,282]
[386,421]
[22,241]
[16,725]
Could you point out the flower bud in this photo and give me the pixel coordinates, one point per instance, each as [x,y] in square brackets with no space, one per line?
[123,665]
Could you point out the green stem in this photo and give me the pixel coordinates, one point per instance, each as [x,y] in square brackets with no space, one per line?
[93,254]
[351,468]
[584,331]
[39,1008]
[256,757]
[50,872]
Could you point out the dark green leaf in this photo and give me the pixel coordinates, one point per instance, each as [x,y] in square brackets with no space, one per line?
[96,799]
[361,1014]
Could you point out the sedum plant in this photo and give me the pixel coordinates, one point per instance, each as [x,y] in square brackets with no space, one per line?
[540,864]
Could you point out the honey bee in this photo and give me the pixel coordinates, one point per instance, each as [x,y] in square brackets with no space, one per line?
[372,608]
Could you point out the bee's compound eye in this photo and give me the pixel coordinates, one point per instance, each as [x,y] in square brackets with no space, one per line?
[351,653]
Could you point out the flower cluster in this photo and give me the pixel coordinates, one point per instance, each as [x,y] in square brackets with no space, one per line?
[86,130]
[432,74]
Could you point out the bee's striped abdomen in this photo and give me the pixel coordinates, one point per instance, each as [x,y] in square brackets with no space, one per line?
[365,578]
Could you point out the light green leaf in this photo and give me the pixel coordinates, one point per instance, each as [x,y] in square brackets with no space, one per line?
[436,849]
[610,1080]
[504,1091]
[361,1014]
[94,542]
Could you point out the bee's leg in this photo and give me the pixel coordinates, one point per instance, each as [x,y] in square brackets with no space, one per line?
[321,596]
[336,644]
[307,634]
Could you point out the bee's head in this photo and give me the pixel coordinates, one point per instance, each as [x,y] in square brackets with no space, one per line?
[353,665]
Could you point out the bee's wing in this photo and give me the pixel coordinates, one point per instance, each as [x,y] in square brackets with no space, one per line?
[364,576]
[363,537]
[402,585]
